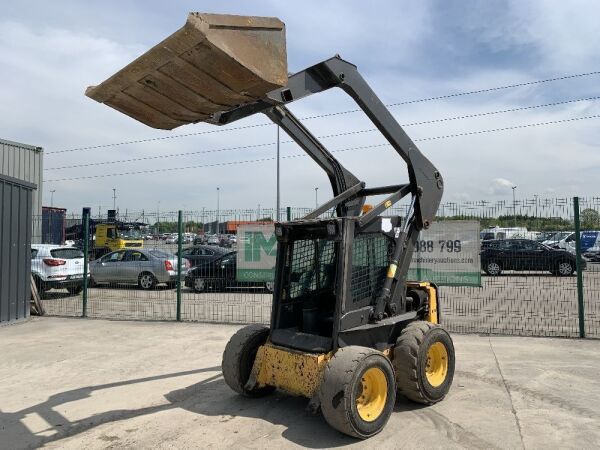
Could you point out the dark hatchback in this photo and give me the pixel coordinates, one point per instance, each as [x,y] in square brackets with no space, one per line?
[525,255]
[220,274]
[200,254]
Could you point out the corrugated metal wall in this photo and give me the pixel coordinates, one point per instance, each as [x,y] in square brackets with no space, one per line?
[25,162]
[15,248]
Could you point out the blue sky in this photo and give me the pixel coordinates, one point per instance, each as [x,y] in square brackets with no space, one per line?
[406,50]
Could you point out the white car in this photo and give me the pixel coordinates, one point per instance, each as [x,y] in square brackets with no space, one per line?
[172,239]
[57,267]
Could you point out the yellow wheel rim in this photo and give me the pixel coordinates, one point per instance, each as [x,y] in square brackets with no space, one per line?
[371,399]
[437,364]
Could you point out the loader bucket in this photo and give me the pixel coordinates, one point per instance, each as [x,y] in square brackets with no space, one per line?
[214,63]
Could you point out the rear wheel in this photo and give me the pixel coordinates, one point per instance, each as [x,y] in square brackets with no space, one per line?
[357,393]
[40,286]
[493,268]
[424,362]
[564,269]
[75,290]
[238,359]
[147,281]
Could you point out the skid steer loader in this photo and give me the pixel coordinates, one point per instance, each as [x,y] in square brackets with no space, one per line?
[348,330]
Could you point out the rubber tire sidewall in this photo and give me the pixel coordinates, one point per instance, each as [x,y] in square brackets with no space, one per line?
[435,394]
[564,274]
[75,290]
[493,274]
[368,429]
[238,359]
[152,285]
[338,390]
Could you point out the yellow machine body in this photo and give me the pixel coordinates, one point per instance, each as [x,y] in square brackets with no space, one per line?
[300,373]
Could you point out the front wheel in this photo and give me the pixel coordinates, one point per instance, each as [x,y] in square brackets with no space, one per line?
[358,393]
[199,285]
[424,362]
[565,269]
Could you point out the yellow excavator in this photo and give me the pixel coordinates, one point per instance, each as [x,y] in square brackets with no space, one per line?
[348,330]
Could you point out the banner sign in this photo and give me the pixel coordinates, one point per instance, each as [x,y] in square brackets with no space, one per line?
[446,254]
[256,252]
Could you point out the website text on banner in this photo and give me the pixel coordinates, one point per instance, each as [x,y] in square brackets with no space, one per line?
[446,254]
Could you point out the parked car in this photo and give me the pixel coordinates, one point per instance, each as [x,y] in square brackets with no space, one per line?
[144,267]
[200,239]
[57,267]
[220,274]
[199,254]
[555,239]
[528,255]
[592,254]
[172,239]
[213,240]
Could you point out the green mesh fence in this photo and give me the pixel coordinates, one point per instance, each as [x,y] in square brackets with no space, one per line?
[141,283]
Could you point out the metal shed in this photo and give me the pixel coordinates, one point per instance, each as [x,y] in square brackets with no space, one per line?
[15,244]
[25,162]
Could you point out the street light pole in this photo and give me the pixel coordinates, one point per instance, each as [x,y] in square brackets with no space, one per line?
[115,199]
[514,206]
[278,179]
[218,194]
[316,197]
[52,191]
[158,218]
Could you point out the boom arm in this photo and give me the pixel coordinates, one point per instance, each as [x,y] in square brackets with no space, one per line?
[426,183]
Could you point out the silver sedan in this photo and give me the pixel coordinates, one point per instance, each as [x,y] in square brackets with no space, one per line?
[144,267]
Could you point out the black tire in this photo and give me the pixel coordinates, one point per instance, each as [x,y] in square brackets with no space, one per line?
[239,356]
[564,269]
[147,281]
[40,286]
[92,283]
[269,287]
[343,387]
[411,360]
[492,268]
[199,284]
[75,290]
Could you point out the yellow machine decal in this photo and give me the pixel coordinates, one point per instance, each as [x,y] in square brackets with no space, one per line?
[295,372]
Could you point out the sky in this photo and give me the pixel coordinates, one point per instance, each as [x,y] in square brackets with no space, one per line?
[51,51]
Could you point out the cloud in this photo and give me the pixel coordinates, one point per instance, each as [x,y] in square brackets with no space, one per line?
[500,186]
[410,51]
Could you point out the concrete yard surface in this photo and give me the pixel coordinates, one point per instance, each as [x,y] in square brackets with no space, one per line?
[73,383]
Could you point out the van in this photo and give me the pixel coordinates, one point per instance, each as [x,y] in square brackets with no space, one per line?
[588,238]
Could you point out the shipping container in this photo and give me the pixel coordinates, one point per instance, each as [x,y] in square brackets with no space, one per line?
[15,248]
[53,225]
[25,162]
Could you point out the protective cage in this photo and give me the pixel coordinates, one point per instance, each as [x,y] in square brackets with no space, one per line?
[330,268]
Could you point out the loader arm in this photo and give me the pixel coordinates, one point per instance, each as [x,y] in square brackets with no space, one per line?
[220,69]
[425,180]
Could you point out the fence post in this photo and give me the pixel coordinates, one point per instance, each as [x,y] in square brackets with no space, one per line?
[86,240]
[288,213]
[580,306]
[179,259]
